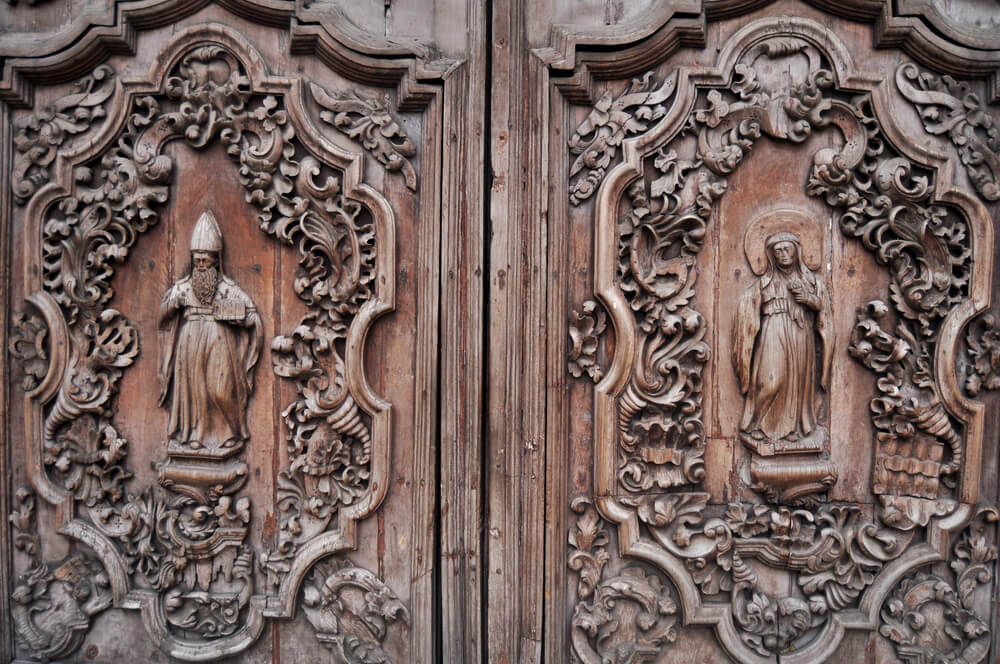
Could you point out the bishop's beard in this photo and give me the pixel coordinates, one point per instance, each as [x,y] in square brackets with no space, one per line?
[204,281]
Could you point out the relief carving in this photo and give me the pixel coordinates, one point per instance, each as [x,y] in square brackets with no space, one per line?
[982,370]
[780,81]
[52,604]
[782,351]
[352,610]
[179,552]
[934,618]
[585,330]
[210,339]
[628,618]
[950,107]
[40,138]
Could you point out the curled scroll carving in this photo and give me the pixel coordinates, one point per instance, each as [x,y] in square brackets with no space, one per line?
[933,618]
[179,552]
[653,216]
[351,610]
[950,107]
[597,140]
[585,330]
[628,618]
[371,123]
[52,603]
[983,362]
[40,137]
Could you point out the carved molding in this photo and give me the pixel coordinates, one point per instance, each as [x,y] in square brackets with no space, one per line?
[351,610]
[950,107]
[652,215]
[178,553]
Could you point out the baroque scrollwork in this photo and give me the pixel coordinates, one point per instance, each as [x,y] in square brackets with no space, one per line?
[40,137]
[585,330]
[934,617]
[831,554]
[628,618]
[186,541]
[352,610]
[982,370]
[52,603]
[371,123]
[597,140]
[952,108]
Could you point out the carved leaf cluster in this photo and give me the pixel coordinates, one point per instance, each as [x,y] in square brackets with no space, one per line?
[983,368]
[951,108]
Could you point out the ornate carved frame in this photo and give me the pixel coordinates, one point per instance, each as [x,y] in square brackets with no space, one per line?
[354,116]
[611,389]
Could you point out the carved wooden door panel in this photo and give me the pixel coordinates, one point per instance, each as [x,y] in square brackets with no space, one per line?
[767,239]
[221,241]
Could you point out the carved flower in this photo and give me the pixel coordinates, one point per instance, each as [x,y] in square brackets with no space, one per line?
[747,520]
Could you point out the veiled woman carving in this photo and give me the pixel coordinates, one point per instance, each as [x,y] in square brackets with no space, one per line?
[774,344]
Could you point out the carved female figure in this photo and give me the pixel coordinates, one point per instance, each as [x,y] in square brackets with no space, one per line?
[210,339]
[774,345]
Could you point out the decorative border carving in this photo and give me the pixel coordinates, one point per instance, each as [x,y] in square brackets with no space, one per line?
[937,286]
[309,196]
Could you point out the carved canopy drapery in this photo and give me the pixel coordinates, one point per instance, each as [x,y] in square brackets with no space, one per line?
[680,138]
[179,552]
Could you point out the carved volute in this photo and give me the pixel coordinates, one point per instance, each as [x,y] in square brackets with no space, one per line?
[474,331]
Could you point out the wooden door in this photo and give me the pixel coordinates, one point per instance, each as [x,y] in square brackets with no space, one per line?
[499,332]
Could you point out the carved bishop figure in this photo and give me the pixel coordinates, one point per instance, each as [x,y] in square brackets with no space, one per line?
[778,320]
[210,337]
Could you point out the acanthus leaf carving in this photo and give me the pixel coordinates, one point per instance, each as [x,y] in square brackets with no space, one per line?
[836,553]
[371,123]
[597,140]
[52,603]
[950,107]
[42,135]
[186,540]
[933,617]
[585,330]
[982,370]
[351,610]
[627,618]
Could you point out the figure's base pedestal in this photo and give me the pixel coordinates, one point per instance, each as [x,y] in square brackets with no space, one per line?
[795,480]
[203,480]
[767,447]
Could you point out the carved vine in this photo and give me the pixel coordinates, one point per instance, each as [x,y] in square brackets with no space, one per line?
[628,618]
[39,138]
[950,107]
[885,201]
[52,603]
[983,367]
[371,123]
[351,610]
[585,330]
[597,140]
[185,543]
[933,617]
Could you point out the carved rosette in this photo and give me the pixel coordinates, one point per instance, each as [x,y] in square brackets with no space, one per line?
[653,213]
[180,552]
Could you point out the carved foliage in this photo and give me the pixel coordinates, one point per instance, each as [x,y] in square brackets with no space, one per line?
[585,330]
[28,344]
[628,618]
[597,139]
[983,367]
[933,617]
[40,137]
[52,603]
[352,611]
[371,123]
[950,107]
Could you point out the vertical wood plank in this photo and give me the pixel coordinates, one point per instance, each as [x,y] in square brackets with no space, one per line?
[6,215]
[517,342]
[461,365]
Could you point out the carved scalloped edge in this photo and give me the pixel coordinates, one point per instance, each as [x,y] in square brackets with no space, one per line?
[648,39]
[356,54]
[344,535]
[970,411]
